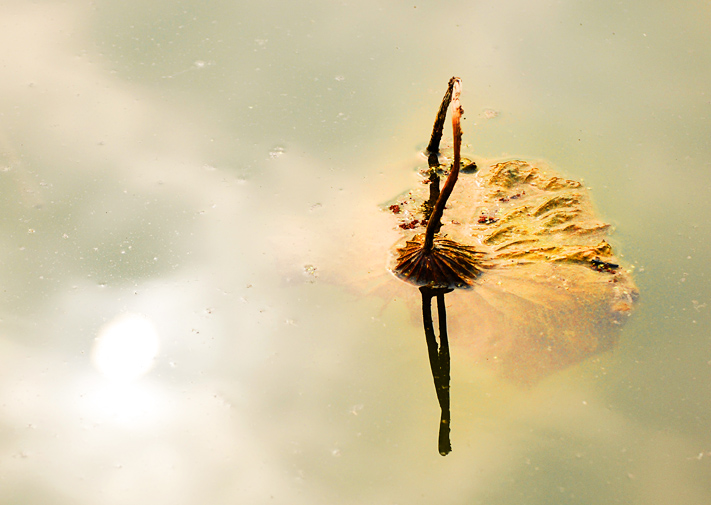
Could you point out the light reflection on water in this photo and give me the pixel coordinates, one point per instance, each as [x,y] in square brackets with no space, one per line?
[218,170]
[125,348]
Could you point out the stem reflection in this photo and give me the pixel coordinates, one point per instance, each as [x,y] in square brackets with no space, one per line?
[439,358]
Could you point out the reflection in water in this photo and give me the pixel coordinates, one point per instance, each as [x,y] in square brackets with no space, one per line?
[124,351]
[439,358]
[125,348]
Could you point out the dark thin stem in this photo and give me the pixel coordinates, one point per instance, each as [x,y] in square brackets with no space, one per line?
[434,191]
[438,128]
[434,222]
[435,139]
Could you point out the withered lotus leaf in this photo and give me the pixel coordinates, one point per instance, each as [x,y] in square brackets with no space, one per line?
[547,291]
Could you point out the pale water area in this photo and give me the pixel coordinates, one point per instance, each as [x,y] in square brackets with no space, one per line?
[195,306]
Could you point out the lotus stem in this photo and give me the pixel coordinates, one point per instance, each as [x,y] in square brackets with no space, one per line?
[434,222]
[438,128]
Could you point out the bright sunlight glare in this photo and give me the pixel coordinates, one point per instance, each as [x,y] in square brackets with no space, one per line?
[125,348]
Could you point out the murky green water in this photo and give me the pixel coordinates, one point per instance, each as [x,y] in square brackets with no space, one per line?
[195,307]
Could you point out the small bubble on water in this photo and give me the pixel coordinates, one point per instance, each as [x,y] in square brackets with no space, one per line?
[340,78]
[276,152]
[490,113]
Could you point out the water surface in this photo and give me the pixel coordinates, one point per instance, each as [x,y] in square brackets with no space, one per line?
[205,180]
